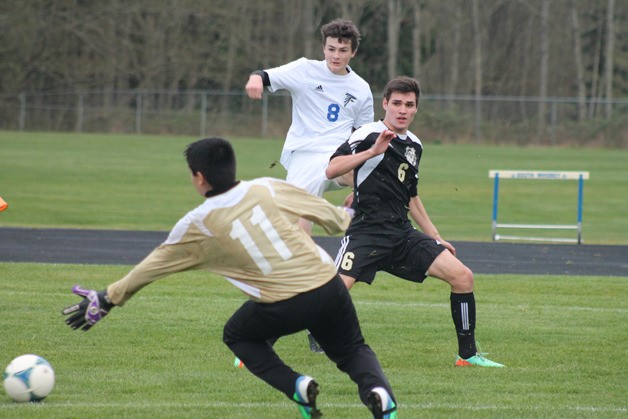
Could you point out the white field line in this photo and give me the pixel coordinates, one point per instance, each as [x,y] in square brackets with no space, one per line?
[526,306]
[284,405]
[360,303]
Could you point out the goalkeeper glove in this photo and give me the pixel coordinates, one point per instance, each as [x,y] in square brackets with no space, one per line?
[91,310]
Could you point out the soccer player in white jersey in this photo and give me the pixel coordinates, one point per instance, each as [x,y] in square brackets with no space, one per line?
[329,101]
[247,232]
[384,158]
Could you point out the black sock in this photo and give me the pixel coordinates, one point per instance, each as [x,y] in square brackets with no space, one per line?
[463,315]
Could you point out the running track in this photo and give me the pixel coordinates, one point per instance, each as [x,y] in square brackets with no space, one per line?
[129,247]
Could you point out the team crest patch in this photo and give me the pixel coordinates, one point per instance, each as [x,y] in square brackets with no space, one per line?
[349,98]
[411,156]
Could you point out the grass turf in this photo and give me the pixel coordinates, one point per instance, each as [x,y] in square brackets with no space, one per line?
[562,339]
[140,182]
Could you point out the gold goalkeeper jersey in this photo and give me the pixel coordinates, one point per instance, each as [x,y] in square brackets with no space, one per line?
[250,235]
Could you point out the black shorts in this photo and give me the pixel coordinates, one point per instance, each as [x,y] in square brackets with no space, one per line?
[407,255]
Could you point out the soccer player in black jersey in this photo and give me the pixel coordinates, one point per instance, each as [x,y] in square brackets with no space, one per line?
[384,157]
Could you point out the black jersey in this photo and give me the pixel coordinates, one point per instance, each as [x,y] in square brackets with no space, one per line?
[383,184]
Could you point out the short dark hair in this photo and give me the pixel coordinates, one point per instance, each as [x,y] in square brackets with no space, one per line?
[403,84]
[215,159]
[342,29]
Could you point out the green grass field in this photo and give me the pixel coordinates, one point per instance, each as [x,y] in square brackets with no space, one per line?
[141,183]
[563,339]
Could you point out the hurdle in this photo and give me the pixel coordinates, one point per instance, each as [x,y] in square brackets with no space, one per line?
[537,175]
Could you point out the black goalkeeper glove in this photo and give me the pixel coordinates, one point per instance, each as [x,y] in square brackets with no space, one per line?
[91,310]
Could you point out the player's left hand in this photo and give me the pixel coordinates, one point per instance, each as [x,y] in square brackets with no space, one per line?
[91,310]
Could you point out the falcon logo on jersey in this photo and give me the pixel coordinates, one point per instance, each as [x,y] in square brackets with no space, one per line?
[411,156]
[349,98]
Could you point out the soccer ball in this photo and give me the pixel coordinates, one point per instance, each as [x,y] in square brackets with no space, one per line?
[28,378]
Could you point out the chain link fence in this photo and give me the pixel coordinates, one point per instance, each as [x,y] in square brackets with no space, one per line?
[445,119]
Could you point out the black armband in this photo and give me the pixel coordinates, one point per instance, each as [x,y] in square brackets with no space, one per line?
[264,76]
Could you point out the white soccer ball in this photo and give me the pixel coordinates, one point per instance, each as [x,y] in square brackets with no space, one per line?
[28,378]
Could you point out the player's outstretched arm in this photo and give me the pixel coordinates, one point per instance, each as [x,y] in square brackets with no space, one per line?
[94,306]
[295,203]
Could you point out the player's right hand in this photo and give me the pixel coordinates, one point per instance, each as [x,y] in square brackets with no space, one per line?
[348,202]
[91,310]
[349,211]
[255,86]
[383,140]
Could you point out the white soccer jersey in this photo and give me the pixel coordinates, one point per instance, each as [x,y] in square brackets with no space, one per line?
[249,235]
[325,106]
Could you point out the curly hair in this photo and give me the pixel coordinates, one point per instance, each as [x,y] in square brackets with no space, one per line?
[342,29]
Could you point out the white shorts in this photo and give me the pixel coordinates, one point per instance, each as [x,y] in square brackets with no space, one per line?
[306,170]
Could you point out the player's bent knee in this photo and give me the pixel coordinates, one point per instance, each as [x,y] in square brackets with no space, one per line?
[451,270]
[466,278]
[462,280]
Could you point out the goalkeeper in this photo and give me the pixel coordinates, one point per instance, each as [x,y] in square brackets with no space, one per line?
[247,232]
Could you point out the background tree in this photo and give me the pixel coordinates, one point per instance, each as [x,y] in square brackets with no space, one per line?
[416,38]
[395,15]
[546,48]
[477,61]
[543,64]
[610,46]
[577,53]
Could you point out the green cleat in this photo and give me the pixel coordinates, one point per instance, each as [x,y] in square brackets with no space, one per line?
[381,404]
[238,363]
[305,392]
[477,360]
